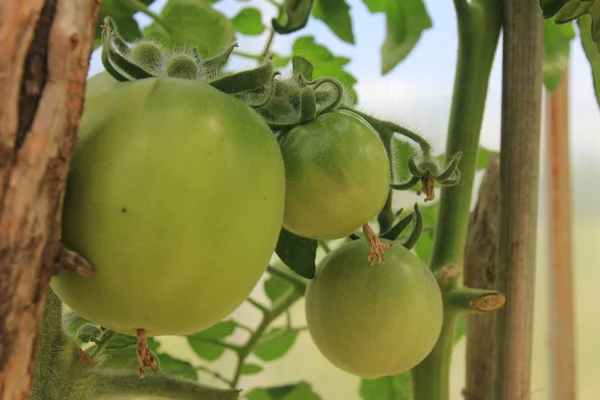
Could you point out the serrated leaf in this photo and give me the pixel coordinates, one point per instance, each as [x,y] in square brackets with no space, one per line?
[405,22]
[461,328]
[188,23]
[397,387]
[248,21]
[174,367]
[297,253]
[573,9]
[589,47]
[122,14]
[200,341]
[483,156]
[275,343]
[299,391]
[251,369]
[336,15]
[275,287]
[325,63]
[551,7]
[557,39]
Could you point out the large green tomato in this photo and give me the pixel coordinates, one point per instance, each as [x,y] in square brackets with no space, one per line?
[373,321]
[337,175]
[175,195]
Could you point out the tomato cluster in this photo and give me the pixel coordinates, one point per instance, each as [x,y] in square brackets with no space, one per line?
[178,191]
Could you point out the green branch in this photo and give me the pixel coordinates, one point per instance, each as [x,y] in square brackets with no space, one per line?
[283,304]
[293,279]
[479,25]
[473,300]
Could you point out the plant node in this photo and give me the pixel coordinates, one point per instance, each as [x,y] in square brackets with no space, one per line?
[376,246]
[144,355]
[447,273]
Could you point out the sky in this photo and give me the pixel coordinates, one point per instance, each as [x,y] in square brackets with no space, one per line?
[417,92]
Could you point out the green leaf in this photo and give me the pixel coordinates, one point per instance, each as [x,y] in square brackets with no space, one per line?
[297,253]
[397,387]
[88,332]
[557,39]
[187,23]
[275,343]
[324,62]
[251,369]
[294,17]
[122,13]
[336,14]
[280,61]
[591,52]
[122,359]
[174,367]
[461,328]
[275,287]
[201,343]
[551,7]
[248,21]
[483,156]
[298,391]
[405,21]
[573,9]
[71,322]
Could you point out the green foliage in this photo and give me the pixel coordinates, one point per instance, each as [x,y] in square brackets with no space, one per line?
[178,368]
[461,328]
[397,387]
[591,52]
[122,12]
[483,156]
[571,10]
[251,369]
[248,21]
[325,63]
[551,7]
[298,391]
[336,14]
[557,39]
[405,22]
[185,23]
[297,253]
[206,344]
[275,288]
[275,343]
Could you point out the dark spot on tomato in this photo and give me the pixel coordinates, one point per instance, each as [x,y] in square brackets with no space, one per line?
[123,209]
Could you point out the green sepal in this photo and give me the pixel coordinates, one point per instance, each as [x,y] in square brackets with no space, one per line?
[572,10]
[308,105]
[398,228]
[329,94]
[417,229]
[216,63]
[297,13]
[259,97]
[114,57]
[245,81]
[116,37]
[405,185]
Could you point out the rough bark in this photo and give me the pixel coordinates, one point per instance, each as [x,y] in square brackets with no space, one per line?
[480,272]
[44,54]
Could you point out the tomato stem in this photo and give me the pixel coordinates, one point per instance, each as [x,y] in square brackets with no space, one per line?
[473,300]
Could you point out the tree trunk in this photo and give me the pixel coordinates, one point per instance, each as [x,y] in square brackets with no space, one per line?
[45,47]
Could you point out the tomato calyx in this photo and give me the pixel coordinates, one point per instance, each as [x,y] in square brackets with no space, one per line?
[147,59]
[144,354]
[70,260]
[376,246]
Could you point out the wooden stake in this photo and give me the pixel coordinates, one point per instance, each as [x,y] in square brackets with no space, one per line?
[561,274]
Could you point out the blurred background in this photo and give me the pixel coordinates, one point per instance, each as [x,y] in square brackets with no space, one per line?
[417,94]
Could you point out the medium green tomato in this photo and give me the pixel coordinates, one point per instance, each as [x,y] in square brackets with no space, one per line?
[373,321]
[175,196]
[337,175]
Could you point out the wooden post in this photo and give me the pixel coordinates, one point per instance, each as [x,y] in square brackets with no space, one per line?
[519,176]
[45,46]
[561,274]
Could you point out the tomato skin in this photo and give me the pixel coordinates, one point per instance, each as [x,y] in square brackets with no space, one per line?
[337,175]
[373,320]
[175,196]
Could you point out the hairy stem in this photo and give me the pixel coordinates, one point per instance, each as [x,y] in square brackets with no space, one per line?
[479,28]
